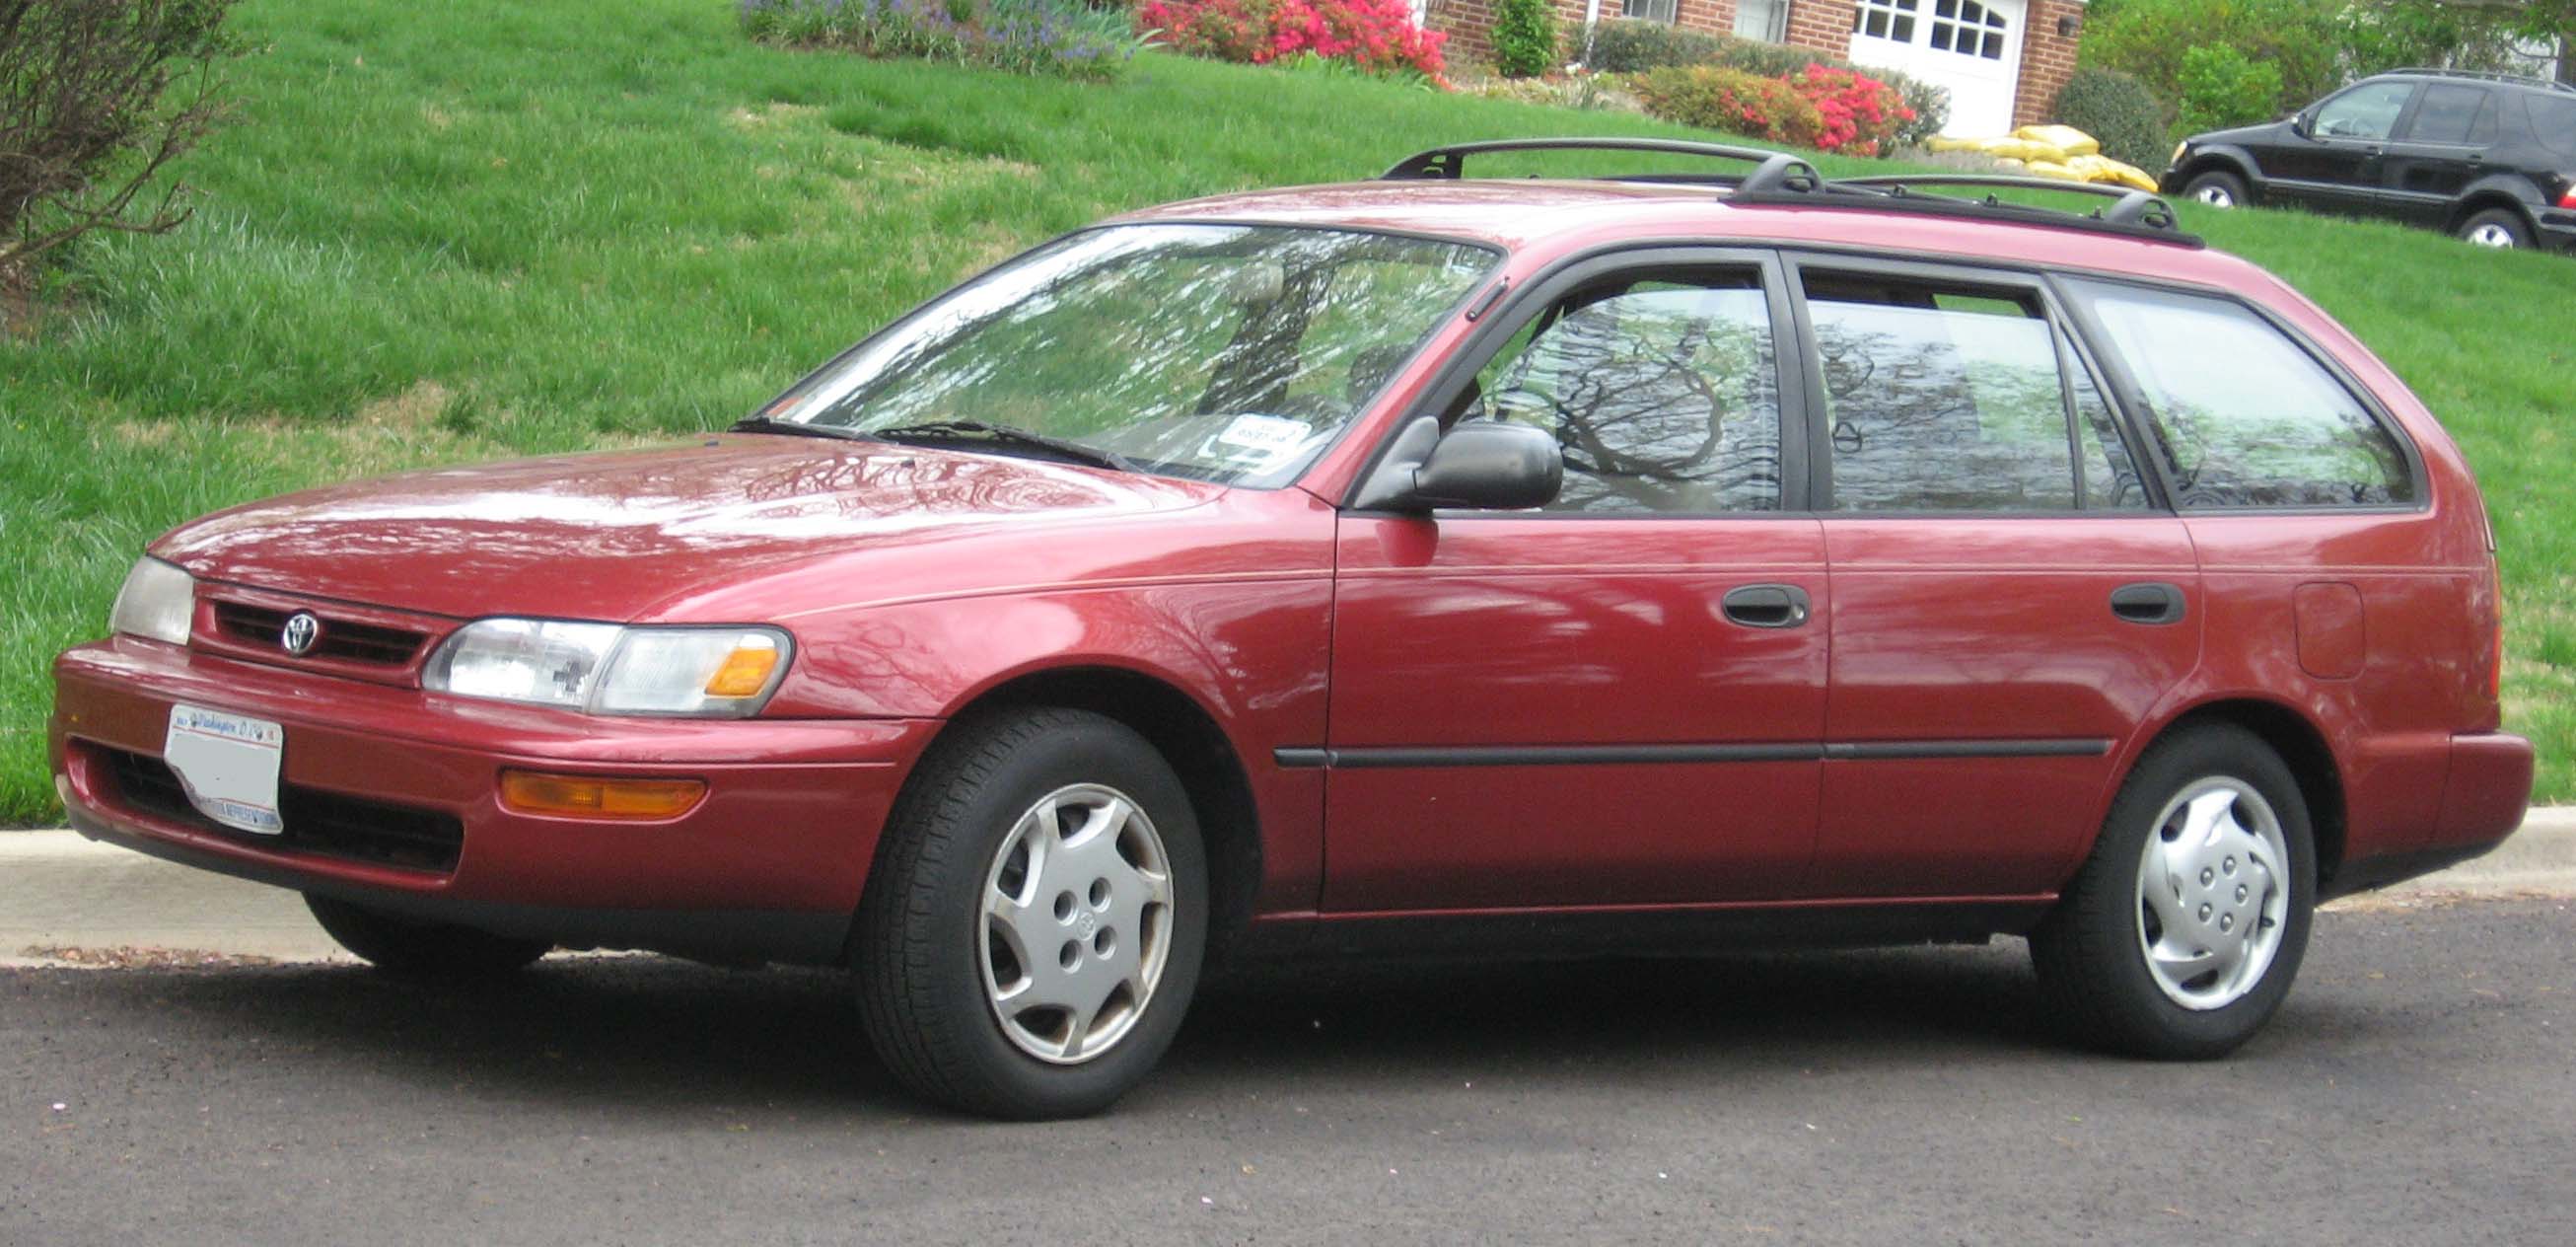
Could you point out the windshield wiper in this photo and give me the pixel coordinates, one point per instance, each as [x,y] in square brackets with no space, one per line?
[977,430]
[790,428]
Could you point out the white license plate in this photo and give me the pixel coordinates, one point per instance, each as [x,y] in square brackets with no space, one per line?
[228,763]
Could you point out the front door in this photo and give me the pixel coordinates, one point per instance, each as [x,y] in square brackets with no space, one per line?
[2010,602]
[2335,165]
[1972,47]
[1619,699]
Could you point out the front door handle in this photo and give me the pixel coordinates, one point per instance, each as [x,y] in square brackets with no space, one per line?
[2152,602]
[1767,606]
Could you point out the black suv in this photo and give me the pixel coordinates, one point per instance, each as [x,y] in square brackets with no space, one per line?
[2488,157]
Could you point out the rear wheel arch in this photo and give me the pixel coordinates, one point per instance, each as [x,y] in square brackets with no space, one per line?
[2488,200]
[2301,746]
[1188,736]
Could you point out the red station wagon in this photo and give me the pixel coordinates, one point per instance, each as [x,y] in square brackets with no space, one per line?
[1543,566]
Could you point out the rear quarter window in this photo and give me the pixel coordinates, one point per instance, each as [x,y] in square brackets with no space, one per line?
[2553,119]
[2240,414]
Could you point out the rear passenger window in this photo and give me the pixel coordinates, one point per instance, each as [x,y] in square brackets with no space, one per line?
[2453,113]
[1954,400]
[2241,416]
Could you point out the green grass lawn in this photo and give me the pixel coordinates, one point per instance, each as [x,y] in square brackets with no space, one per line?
[463,230]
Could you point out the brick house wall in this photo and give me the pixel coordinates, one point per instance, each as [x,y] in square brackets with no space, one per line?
[2047,58]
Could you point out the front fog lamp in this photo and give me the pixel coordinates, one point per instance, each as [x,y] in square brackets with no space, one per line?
[607,669]
[156,602]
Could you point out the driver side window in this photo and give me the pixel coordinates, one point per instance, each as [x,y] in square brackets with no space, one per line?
[1663,392]
[2366,112]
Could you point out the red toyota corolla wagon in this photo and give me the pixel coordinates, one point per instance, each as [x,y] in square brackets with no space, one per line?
[1572,564]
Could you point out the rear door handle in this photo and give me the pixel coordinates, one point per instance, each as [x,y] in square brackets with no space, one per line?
[2151,602]
[1767,606]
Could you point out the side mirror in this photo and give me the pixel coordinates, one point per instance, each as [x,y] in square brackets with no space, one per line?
[1480,464]
[2304,124]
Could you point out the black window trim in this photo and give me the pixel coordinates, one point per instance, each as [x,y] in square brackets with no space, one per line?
[2139,417]
[1532,297]
[2034,282]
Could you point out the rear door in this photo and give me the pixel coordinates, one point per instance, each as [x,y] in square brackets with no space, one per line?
[2010,598]
[2438,152]
[1617,700]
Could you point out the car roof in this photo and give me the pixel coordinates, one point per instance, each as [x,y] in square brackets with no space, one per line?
[1567,215]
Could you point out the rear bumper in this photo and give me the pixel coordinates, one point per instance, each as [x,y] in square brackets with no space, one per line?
[770,864]
[2557,228]
[2485,795]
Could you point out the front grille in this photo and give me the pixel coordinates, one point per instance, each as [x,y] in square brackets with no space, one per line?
[345,640]
[325,824]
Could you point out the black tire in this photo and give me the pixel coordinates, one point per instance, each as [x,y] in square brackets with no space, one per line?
[2500,228]
[2209,188]
[918,951]
[414,949]
[2091,951]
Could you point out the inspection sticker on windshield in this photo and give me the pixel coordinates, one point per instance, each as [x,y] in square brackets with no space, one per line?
[1262,440]
[228,764]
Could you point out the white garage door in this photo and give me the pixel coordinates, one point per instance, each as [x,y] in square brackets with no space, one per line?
[1972,47]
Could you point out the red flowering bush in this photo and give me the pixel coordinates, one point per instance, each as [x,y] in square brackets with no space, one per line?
[1829,109]
[1376,35]
[1862,116]
[1732,100]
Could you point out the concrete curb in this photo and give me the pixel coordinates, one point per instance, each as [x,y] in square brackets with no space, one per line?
[66,900]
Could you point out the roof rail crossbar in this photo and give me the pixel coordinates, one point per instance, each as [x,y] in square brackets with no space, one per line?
[1449,163]
[2135,208]
[2482,75]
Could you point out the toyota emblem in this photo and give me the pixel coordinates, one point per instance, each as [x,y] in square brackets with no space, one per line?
[301,631]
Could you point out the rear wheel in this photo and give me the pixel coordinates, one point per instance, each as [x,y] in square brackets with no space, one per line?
[403,946]
[2181,934]
[1033,930]
[2217,189]
[2500,228]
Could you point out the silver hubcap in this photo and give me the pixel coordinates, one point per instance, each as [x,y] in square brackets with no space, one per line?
[1077,923]
[2215,196]
[2491,235]
[2213,893]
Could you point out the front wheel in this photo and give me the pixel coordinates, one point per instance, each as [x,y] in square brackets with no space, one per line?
[2180,936]
[1033,930]
[2216,189]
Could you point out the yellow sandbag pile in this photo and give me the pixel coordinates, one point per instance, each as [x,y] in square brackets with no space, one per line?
[2053,152]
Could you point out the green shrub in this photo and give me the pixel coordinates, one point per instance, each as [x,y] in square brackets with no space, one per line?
[1930,103]
[2119,111]
[2302,40]
[1524,37]
[1731,100]
[1629,45]
[2220,88]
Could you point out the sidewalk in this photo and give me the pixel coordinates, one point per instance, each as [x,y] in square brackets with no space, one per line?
[66,900]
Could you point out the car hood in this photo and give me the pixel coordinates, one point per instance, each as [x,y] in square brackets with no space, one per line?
[2268,132]
[610,536]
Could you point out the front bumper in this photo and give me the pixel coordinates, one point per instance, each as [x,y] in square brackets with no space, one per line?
[770,864]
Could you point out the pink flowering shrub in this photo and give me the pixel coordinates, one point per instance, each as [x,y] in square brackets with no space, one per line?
[1375,35]
[1862,116]
[1829,109]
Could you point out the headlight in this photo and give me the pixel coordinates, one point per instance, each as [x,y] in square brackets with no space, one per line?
[158,601]
[2179,149]
[608,669]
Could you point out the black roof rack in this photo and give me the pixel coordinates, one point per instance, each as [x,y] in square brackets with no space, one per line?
[1772,170]
[2533,81]
[1783,180]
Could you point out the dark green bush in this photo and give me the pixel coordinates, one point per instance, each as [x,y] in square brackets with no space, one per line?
[2302,39]
[2221,88]
[1627,46]
[2119,111]
[1524,37]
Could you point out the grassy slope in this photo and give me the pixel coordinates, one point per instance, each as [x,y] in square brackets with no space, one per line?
[462,230]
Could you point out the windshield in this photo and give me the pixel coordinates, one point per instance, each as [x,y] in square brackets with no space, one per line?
[1229,353]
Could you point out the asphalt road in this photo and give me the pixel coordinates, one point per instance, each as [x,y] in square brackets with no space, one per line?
[2418,1088]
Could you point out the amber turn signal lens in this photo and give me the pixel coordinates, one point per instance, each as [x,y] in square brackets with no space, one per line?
[585,796]
[745,671]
